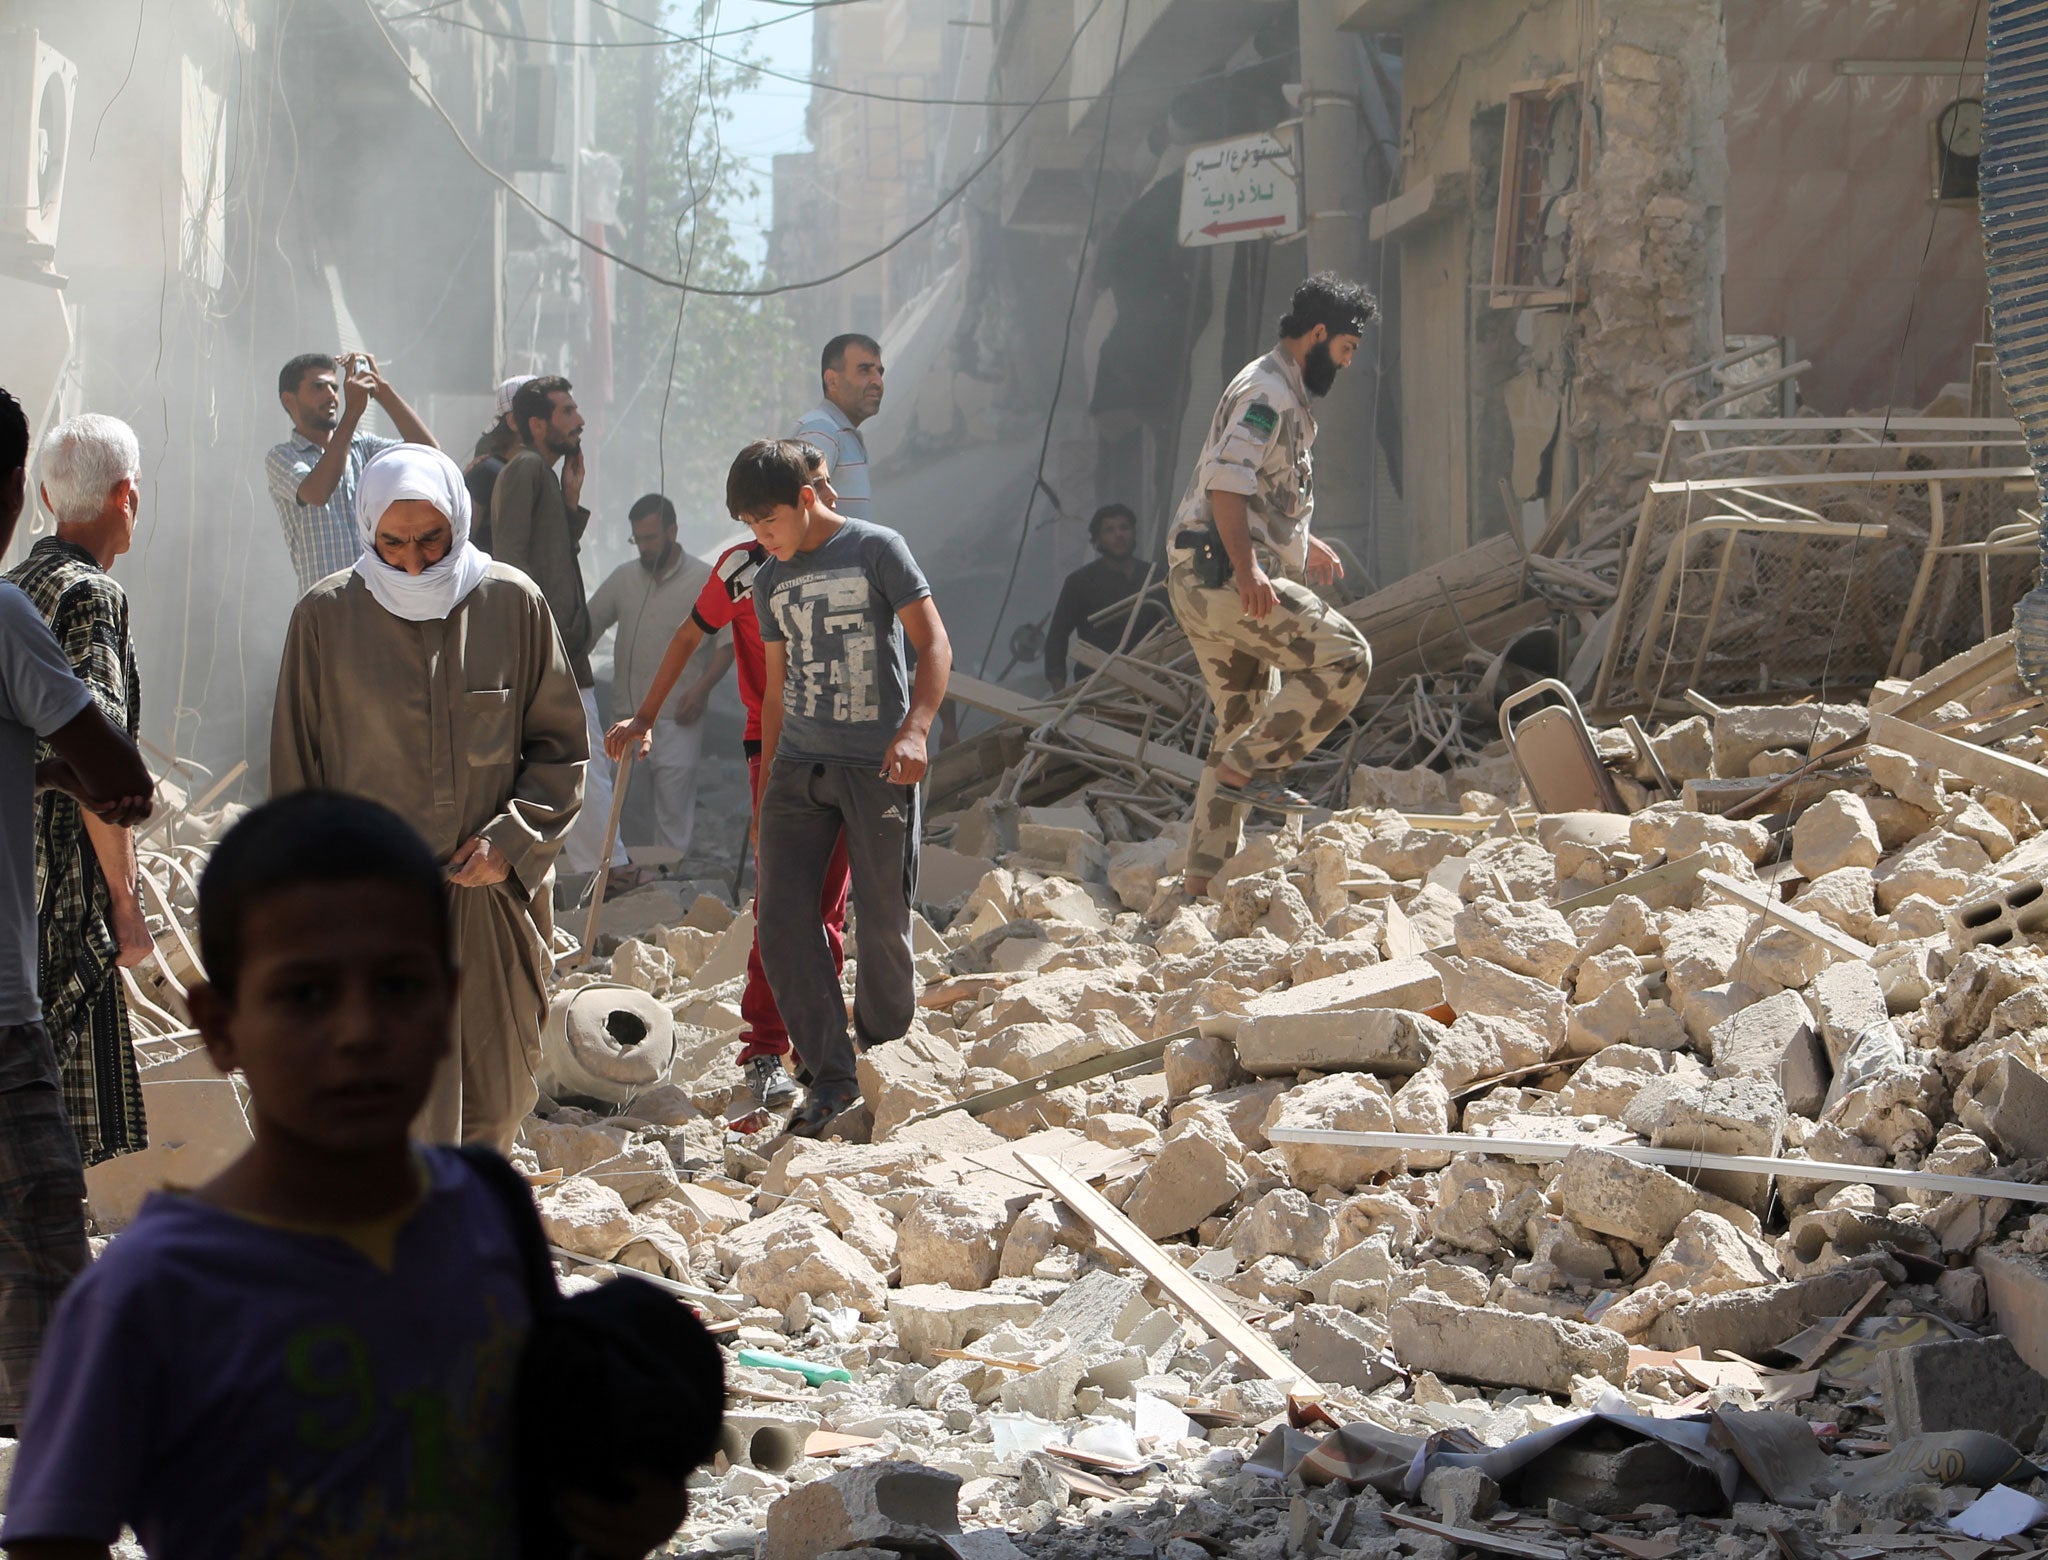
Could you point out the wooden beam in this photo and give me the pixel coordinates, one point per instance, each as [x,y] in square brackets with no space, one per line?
[1188,1293]
[1980,765]
[1771,908]
[1668,875]
[1479,1538]
[1122,669]
[1006,705]
[1895,477]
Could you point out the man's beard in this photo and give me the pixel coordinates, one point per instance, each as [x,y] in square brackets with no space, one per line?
[654,567]
[326,422]
[568,446]
[1319,370]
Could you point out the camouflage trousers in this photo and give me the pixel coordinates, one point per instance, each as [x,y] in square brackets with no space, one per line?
[1320,661]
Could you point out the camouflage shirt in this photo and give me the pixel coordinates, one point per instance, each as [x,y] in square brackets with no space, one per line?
[1258,445]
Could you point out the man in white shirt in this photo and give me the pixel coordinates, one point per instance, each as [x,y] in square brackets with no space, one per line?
[851,368]
[648,600]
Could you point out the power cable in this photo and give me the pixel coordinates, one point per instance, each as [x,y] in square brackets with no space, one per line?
[682,285]
[668,40]
[1066,336]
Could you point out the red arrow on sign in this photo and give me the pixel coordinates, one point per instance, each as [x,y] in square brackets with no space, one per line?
[1218,229]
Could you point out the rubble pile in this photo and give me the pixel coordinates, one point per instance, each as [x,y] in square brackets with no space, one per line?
[951,1315]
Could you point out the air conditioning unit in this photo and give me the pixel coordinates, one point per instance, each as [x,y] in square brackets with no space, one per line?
[38,87]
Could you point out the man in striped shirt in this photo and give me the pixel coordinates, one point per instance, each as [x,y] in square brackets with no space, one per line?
[851,367]
[313,474]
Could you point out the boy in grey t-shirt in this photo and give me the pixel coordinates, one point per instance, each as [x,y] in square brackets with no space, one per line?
[843,732]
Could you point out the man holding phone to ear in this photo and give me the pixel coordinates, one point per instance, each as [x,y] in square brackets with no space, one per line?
[313,474]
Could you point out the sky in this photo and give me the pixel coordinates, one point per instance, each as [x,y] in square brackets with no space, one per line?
[769,116]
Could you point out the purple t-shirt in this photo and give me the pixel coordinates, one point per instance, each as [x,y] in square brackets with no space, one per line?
[234,1390]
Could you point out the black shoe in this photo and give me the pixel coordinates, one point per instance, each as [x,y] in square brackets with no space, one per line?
[822,1107]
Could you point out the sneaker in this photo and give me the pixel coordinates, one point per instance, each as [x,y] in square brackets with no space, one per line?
[771,1082]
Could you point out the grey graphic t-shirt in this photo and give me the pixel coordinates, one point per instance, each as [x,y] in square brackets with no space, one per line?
[846,690]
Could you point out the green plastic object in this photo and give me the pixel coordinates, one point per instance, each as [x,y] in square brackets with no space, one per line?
[814,1374]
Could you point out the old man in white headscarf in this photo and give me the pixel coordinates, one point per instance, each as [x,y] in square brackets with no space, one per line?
[431,679]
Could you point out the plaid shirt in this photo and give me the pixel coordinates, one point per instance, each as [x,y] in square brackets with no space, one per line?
[323,537]
[84,1007]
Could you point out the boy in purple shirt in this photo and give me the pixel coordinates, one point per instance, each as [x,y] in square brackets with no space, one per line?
[315,1352]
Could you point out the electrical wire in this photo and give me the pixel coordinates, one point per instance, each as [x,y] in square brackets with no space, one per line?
[681,285]
[667,41]
[1066,336]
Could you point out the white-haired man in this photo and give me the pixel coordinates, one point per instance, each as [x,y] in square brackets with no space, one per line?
[89,915]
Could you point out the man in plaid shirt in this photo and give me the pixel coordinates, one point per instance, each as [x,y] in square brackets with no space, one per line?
[313,474]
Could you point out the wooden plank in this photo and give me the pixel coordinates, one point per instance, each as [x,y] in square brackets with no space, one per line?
[1474,567]
[1006,705]
[1807,924]
[1984,766]
[1956,678]
[1836,1333]
[1187,1292]
[1074,1072]
[1480,1538]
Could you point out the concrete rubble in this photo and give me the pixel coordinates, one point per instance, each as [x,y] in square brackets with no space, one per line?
[1018,1383]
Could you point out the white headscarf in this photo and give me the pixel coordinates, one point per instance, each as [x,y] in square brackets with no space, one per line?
[417,471]
[508,389]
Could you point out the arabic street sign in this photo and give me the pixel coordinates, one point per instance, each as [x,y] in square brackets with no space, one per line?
[1246,187]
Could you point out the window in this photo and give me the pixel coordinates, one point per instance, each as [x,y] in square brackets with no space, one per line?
[1541,153]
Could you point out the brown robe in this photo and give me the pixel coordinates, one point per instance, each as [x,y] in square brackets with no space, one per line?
[464,725]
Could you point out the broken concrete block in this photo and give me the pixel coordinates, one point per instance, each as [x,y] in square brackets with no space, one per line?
[1519,866]
[1739,1115]
[1527,937]
[1412,985]
[1686,749]
[1388,1041]
[1702,946]
[1938,864]
[1688,832]
[2010,1105]
[1485,1206]
[1284,1223]
[1031,1049]
[1742,732]
[1473,986]
[1346,1102]
[586,1218]
[1835,832]
[1709,1256]
[1750,1321]
[1974,820]
[952,1237]
[1340,1348]
[902,1506]
[1502,1348]
[1775,1038]
[1848,1000]
[1640,1204]
[1194,1175]
[805,1258]
[1845,899]
[1198,1062]
[1963,1384]
[935,1316]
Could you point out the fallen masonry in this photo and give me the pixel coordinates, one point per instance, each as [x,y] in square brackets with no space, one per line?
[1458,1181]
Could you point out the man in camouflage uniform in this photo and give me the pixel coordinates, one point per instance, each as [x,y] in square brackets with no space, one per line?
[1239,568]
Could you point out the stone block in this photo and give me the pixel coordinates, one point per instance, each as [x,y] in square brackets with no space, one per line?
[1412,985]
[2016,1288]
[1391,1042]
[1473,986]
[1345,1102]
[1529,938]
[1197,1062]
[1640,1204]
[1739,1115]
[1099,1307]
[1194,1176]
[1750,1322]
[1502,1348]
[1848,999]
[952,1237]
[1963,1384]
[903,1506]
[1775,1039]
[1340,1348]
[935,1316]
[1835,832]
[1710,1256]
[806,1258]
[196,1130]
[2011,1105]
[1938,864]
[1742,732]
